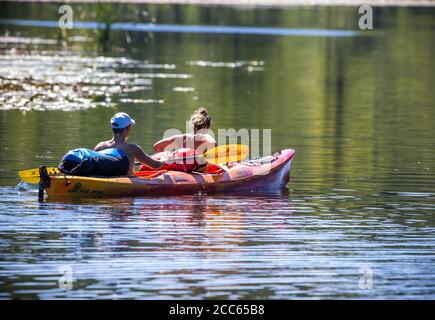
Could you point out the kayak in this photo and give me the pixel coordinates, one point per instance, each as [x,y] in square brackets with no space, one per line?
[262,174]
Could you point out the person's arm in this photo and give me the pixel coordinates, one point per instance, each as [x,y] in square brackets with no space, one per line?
[161,145]
[145,159]
[100,146]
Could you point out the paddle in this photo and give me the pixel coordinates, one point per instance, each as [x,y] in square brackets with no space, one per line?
[217,155]
[32,175]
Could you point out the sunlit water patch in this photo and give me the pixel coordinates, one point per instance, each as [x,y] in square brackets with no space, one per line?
[249,66]
[143,101]
[184,89]
[58,81]
[26,40]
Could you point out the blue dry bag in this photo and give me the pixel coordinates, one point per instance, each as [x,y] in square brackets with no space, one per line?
[85,162]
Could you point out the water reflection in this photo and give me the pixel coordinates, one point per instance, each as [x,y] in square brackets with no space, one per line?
[218,246]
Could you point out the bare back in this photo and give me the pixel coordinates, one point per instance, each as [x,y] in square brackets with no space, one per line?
[199,142]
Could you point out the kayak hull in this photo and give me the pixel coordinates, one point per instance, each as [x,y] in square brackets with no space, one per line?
[263,174]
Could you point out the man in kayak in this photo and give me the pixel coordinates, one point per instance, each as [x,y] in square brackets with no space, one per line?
[121,128]
[200,140]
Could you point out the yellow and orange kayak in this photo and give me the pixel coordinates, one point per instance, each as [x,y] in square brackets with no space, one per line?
[262,174]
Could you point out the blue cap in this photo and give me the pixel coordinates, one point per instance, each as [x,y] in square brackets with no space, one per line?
[121,120]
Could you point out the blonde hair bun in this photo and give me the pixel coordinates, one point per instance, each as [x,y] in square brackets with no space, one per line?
[200,120]
[202,111]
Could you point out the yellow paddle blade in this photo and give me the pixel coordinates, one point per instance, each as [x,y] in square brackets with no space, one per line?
[227,153]
[32,175]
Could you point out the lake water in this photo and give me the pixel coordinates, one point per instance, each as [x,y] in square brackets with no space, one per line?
[357,106]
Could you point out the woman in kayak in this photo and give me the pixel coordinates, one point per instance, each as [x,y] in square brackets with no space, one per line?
[200,140]
[121,128]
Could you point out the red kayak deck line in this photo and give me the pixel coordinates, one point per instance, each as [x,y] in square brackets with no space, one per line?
[262,174]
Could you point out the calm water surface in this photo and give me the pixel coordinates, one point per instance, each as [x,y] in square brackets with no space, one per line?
[359,110]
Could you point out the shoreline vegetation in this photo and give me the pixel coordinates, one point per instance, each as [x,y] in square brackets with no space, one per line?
[265,3]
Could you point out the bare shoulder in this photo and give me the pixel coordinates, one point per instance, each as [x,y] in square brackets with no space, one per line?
[210,139]
[102,145]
